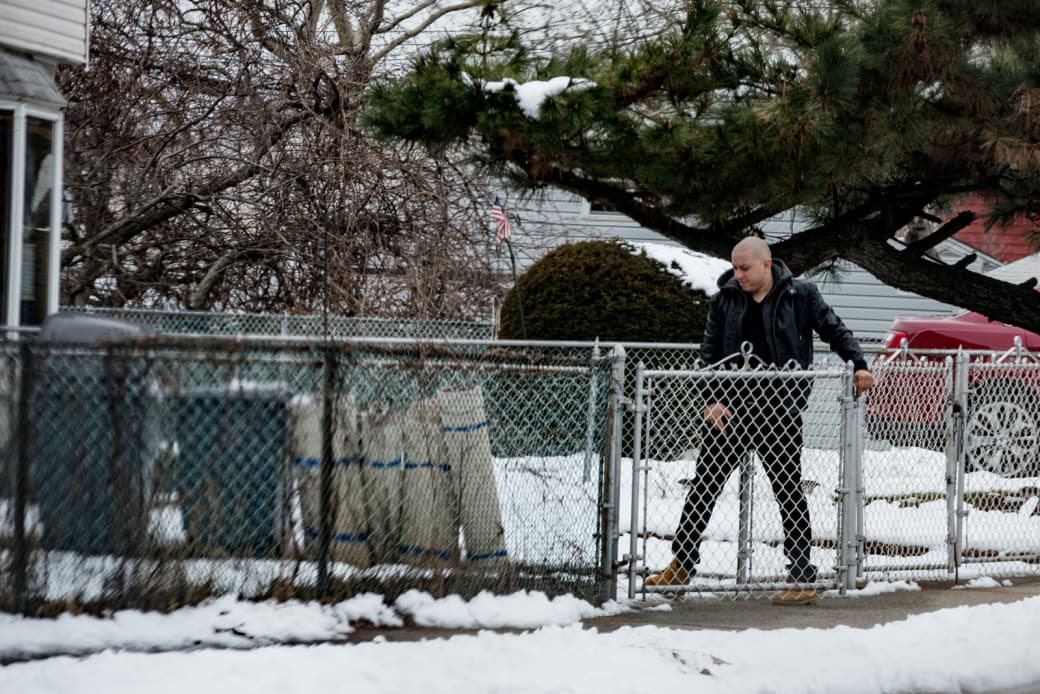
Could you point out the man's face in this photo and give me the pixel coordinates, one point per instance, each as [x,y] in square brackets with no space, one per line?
[752,274]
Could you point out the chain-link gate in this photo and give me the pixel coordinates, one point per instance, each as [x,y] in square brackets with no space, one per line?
[723,487]
[951,465]
[997,513]
[909,470]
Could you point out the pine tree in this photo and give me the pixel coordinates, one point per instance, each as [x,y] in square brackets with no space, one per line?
[865,116]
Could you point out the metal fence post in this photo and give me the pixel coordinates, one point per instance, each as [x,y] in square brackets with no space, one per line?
[327,462]
[746,497]
[956,460]
[860,437]
[24,439]
[590,419]
[848,545]
[637,442]
[610,490]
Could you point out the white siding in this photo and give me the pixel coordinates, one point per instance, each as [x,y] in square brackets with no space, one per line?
[53,28]
[555,217]
[867,306]
[1019,271]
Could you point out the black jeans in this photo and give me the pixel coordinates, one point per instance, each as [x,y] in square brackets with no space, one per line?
[777,437]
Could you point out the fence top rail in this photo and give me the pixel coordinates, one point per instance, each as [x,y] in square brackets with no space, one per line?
[230,316]
[434,352]
[20,333]
[309,342]
[319,340]
[742,374]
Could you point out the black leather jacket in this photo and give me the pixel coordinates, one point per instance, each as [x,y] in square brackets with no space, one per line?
[792,311]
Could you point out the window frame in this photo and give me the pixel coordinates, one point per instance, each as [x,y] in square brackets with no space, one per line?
[21,112]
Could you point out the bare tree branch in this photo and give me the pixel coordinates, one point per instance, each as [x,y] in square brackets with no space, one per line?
[208,141]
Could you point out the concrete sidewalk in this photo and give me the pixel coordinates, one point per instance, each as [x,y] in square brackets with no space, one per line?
[854,611]
[758,613]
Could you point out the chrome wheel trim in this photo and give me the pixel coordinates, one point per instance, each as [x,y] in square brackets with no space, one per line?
[1002,439]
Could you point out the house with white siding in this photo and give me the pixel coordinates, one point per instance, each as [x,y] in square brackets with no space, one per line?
[867,305]
[36,36]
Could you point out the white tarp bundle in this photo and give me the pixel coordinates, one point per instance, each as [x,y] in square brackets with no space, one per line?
[415,486]
[467,450]
[350,521]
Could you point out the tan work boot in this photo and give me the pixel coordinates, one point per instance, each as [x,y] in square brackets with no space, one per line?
[674,575]
[795,596]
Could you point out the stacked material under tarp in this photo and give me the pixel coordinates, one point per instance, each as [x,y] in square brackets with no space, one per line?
[429,518]
[467,450]
[382,465]
[404,483]
[351,531]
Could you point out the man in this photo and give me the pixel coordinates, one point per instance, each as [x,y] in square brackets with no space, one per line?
[761,304]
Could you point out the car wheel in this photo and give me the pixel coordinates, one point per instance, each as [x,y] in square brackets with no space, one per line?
[1001,434]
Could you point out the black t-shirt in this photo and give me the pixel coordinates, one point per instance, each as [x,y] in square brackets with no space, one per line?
[753,330]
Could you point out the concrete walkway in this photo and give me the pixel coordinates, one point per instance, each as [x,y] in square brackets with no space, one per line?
[863,612]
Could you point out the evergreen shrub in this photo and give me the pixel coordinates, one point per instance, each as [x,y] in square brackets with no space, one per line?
[605,290]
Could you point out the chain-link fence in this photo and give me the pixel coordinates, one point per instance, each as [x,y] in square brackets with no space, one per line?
[270,324]
[999,461]
[174,467]
[162,470]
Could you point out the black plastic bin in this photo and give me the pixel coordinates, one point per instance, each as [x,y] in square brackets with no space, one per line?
[92,456]
[233,446]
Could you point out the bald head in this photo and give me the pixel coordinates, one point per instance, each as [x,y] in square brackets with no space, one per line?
[754,247]
[753,266]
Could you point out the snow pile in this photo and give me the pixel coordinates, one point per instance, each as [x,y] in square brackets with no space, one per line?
[532,95]
[696,270]
[228,622]
[977,649]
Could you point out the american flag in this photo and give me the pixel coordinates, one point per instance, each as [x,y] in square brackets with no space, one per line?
[505,229]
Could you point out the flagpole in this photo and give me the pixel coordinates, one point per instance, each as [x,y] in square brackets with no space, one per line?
[516,285]
[498,213]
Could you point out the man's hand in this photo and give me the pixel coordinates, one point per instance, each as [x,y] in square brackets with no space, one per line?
[864,381]
[717,415]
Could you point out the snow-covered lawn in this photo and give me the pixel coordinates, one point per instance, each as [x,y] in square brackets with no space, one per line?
[229,644]
[967,649]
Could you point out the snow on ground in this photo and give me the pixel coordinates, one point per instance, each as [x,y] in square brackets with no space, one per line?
[979,648]
[228,644]
[228,622]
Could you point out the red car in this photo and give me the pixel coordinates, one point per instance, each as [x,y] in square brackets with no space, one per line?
[908,405]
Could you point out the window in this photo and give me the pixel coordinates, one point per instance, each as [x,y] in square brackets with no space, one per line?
[6,148]
[597,208]
[36,225]
[30,180]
